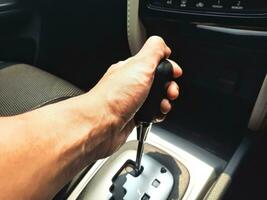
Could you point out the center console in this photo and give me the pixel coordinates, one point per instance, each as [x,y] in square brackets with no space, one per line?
[222,47]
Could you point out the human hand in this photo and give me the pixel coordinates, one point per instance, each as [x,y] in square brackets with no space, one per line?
[126,84]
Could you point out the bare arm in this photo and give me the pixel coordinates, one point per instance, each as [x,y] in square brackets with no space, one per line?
[40,151]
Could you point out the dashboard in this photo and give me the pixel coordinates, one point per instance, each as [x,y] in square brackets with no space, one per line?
[241,12]
[232,6]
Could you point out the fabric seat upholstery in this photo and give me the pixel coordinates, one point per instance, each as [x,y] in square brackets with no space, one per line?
[24,88]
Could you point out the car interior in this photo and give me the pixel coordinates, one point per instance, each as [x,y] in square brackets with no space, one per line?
[212,144]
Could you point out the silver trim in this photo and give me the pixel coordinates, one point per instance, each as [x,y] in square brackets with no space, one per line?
[233,31]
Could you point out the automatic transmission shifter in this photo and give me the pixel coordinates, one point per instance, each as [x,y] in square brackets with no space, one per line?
[147,114]
[131,181]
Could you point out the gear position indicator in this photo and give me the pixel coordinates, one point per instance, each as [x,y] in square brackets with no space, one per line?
[154,182]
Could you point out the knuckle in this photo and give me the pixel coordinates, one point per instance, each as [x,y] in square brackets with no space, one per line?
[112,68]
[133,59]
[158,41]
[120,63]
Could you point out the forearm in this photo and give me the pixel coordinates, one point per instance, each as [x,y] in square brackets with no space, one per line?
[43,149]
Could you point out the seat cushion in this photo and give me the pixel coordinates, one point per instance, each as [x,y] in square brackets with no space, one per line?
[24,88]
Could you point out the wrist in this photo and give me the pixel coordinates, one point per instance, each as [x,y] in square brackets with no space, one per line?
[107,107]
[102,121]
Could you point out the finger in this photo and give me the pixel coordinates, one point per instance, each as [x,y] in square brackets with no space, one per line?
[155,49]
[165,106]
[177,71]
[172,91]
[160,118]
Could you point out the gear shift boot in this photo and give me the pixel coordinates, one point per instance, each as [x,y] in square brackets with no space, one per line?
[155,181]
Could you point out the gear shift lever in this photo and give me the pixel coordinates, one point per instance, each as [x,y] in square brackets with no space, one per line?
[150,109]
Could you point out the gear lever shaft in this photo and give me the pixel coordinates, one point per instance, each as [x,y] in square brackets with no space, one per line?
[147,114]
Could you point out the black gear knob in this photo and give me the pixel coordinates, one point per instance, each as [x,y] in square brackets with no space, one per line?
[151,107]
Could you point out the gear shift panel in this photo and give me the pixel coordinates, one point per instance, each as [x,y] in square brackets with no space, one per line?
[154,182]
[161,176]
[117,179]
